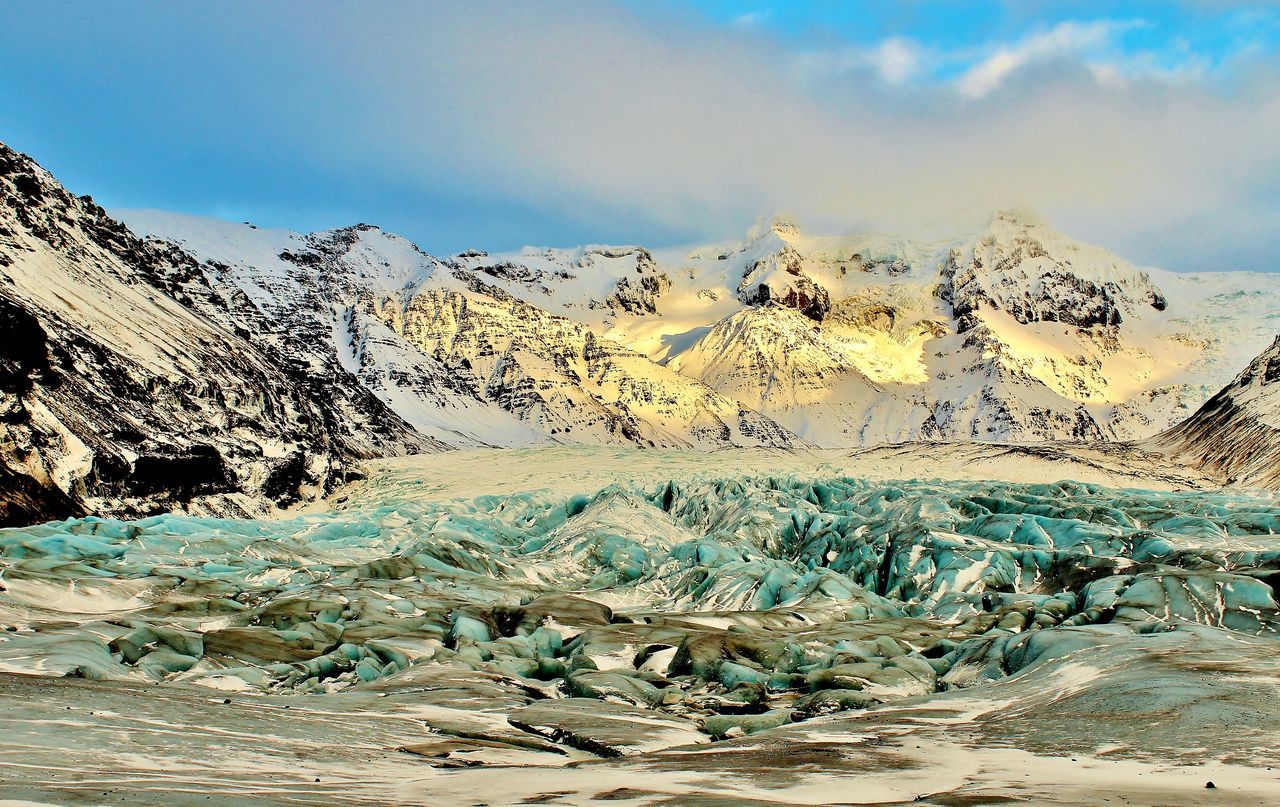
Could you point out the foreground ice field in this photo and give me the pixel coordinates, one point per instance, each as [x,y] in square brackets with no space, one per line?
[576,625]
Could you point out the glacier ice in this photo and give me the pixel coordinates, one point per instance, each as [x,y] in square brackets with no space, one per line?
[778,616]
[756,595]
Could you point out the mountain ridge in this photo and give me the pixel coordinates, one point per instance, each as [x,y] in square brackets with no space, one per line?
[127,389]
[221,368]
[1016,333]
[1236,433]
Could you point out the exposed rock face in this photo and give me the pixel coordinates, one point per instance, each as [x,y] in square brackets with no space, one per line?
[638,296]
[564,380]
[779,278]
[129,388]
[1013,271]
[1237,432]
[331,301]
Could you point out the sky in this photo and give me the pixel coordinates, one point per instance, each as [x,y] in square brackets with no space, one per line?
[1150,128]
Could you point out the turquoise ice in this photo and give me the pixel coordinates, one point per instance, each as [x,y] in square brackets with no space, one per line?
[777,597]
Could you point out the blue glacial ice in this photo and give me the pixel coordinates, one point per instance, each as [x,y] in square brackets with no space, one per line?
[738,604]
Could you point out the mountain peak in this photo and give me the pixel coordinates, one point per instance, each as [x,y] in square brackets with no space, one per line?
[781,225]
[1018,217]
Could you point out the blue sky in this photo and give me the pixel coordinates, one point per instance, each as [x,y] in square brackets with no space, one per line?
[1149,127]
[1212,30]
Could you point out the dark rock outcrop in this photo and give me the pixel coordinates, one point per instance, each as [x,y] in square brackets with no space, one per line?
[1236,433]
[128,385]
[780,279]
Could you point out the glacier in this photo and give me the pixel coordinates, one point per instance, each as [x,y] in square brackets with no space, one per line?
[655,617]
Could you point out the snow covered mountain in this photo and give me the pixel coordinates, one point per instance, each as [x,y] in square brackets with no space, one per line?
[452,351]
[1015,333]
[974,338]
[218,367]
[1236,434]
[128,386]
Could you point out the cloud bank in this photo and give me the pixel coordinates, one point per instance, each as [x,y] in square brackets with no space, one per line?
[664,126]
[696,128]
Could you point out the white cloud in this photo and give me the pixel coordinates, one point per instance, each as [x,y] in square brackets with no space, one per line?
[983,69]
[896,60]
[753,18]
[1064,39]
[642,125]
[600,114]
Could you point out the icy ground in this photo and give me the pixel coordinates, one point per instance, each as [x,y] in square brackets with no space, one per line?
[575,625]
